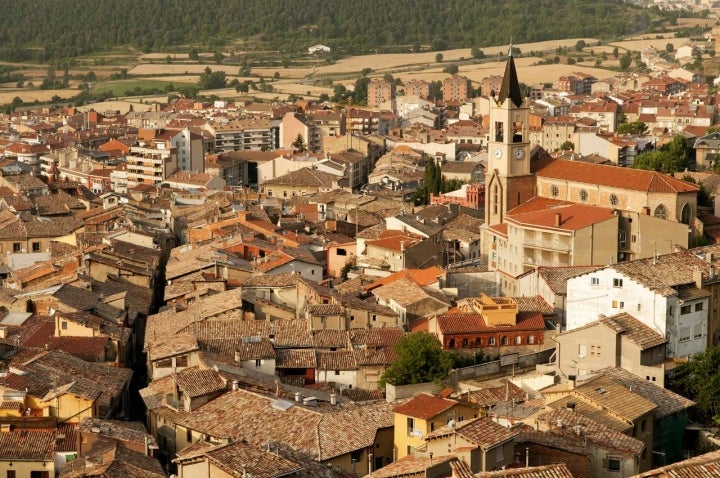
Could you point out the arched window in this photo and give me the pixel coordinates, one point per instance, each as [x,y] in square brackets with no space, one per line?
[531,339]
[518,340]
[451,344]
[660,212]
[465,343]
[495,199]
[491,341]
[686,214]
[583,195]
[478,342]
[613,200]
[504,340]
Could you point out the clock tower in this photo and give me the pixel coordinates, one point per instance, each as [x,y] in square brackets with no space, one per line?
[508,180]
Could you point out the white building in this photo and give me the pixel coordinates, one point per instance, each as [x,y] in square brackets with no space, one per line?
[663,293]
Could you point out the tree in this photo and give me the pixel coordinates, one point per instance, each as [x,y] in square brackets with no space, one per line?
[477,53]
[634,127]
[212,80]
[699,379]
[616,52]
[452,69]
[567,146]
[625,61]
[218,57]
[419,358]
[193,55]
[299,144]
[439,58]
[580,45]
[669,158]
[669,47]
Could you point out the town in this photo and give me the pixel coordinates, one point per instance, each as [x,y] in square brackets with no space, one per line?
[512,279]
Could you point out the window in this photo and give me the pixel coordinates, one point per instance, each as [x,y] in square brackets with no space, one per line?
[504,340]
[685,309]
[518,340]
[554,191]
[36,247]
[594,281]
[167,363]
[188,435]
[660,212]
[613,200]
[491,341]
[39,474]
[617,282]
[685,214]
[582,351]
[341,251]
[181,361]
[531,339]
[698,307]
[583,195]
[642,425]
[16,247]
[613,464]
[410,425]
[258,362]
[63,325]
[337,372]
[622,239]
[10,474]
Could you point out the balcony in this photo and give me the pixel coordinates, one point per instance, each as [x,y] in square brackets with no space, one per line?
[547,245]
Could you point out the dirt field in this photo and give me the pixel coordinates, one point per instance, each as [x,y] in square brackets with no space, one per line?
[121,106]
[658,43]
[28,96]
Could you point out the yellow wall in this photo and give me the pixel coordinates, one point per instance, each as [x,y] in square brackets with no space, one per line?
[403,439]
[74,329]
[23,468]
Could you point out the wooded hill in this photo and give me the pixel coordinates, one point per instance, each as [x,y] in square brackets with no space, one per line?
[44,30]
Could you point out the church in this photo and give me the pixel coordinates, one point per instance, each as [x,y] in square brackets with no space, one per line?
[542,211]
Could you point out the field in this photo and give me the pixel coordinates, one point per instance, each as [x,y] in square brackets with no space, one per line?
[315,76]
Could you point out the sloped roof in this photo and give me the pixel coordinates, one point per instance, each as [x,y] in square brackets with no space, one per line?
[425,406]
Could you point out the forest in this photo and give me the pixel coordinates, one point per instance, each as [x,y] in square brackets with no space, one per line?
[50,30]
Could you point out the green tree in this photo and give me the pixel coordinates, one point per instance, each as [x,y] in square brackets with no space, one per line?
[477,53]
[567,146]
[669,47]
[218,57]
[625,61]
[193,55]
[580,44]
[452,69]
[634,127]
[669,158]
[435,90]
[699,378]
[212,80]
[616,52]
[299,144]
[439,58]
[419,358]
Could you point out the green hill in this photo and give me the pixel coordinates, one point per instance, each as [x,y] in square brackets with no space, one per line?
[54,29]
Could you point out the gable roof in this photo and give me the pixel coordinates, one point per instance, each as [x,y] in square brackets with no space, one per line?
[564,218]
[614,176]
[483,432]
[425,406]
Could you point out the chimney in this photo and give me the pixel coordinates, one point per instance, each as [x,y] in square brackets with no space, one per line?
[697,278]
[646,210]
[571,379]
[3,332]
[558,219]
[235,385]
[402,246]
[333,399]
[237,356]
[298,397]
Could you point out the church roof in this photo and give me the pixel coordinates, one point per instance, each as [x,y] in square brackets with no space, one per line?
[510,87]
[614,176]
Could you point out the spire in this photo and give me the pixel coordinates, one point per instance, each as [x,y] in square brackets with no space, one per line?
[510,86]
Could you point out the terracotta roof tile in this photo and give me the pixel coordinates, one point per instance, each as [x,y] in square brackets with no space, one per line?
[425,406]
[483,432]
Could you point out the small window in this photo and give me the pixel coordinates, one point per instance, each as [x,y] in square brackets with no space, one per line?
[594,281]
[614,464]
[181,361]
[16,247]
[531,339]
[374,318]
[685,309]
[491,341]
[613,200]
[36,247]
[518,340]
[63,325]
[258,362]
[554,191]
[337,372]
[188,435]
[698,307]
[617,282]
[504,340]
[341,251]
[583,195]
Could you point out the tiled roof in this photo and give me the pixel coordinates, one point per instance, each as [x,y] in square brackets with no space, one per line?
[405,292]
[30,445]
[483,432]
[571,218]
[425,406]
[336,360]
[534,303]
[557,470]
[199,382]
[591,430]
[243,348]
[463,323]
[283,333]
[330,338]
[242,459]
[702,466]
[325,309]
[553,440]
[120,461]
[411,466]
[634,330]
[556,277]
[667,402]
[614,176]
[616,398]
[490,396]
[125,431]
[664,272]
[286,279]
[421,277]
[295,358]
[170,346]
[305,177]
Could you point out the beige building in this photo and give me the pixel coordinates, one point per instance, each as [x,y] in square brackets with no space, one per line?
[380,90]
[617,341]
[456,88]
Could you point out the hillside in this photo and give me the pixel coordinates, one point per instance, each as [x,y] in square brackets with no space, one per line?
[45,30]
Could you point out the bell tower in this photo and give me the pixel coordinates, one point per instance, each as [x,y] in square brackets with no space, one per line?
[508,181]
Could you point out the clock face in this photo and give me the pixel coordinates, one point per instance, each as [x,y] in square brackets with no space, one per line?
[498,153]
[519,153]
